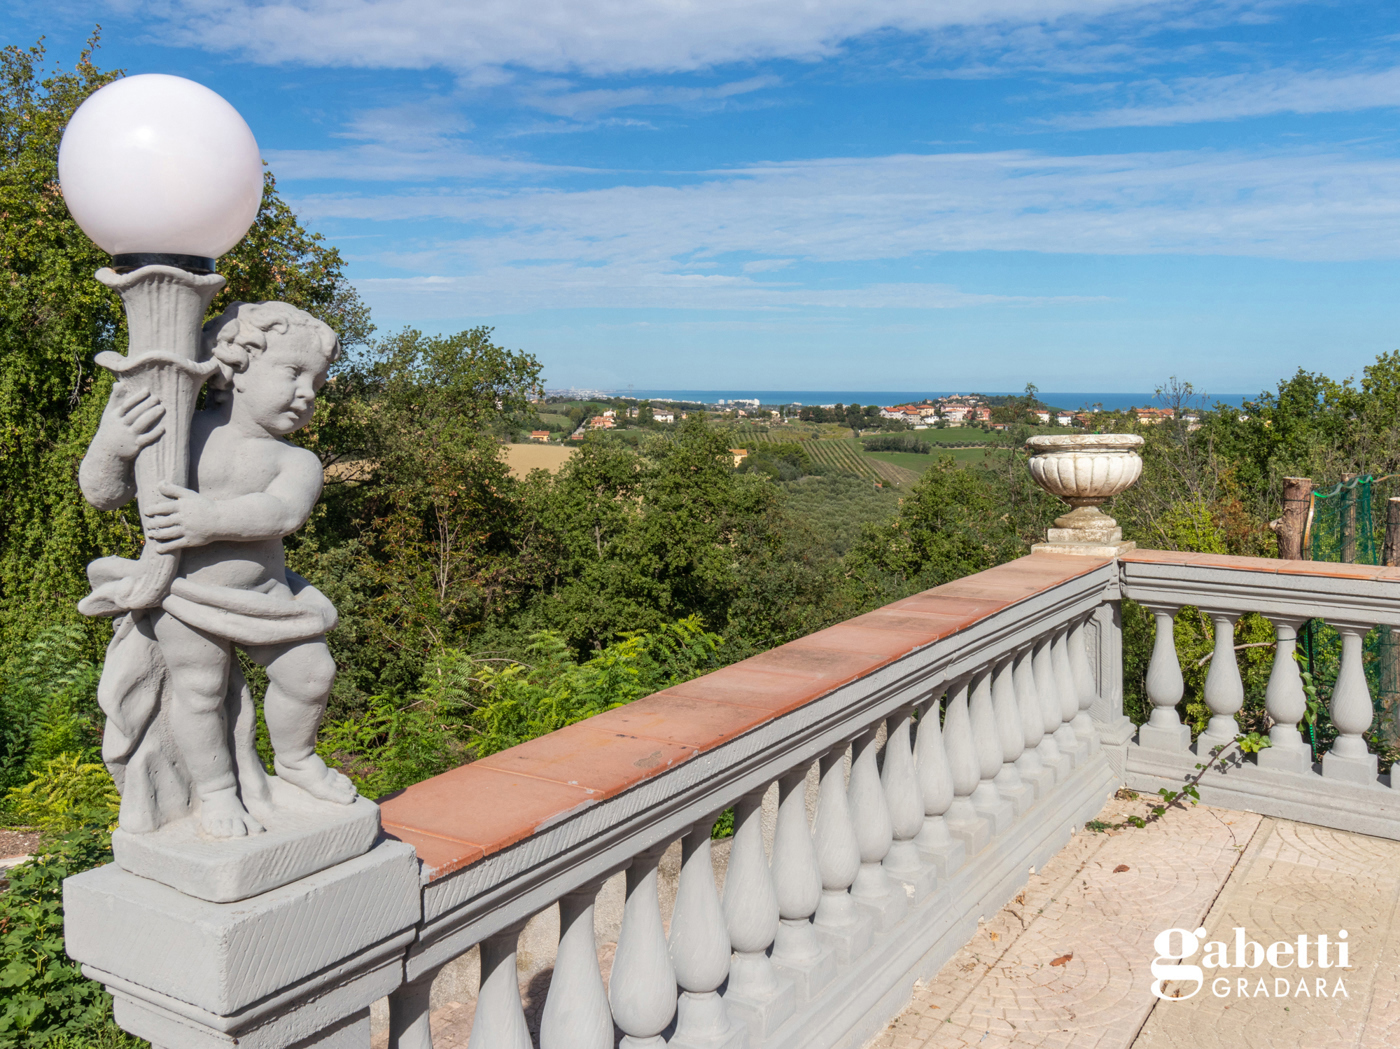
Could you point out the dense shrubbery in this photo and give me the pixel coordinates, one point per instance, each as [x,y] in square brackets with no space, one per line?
[897,442]
[474,705]
[44,999]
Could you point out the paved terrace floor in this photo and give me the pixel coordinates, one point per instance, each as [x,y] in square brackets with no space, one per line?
[1068,962]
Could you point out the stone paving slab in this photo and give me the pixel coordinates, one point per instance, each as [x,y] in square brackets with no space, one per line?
[1068,961]
[1297,879]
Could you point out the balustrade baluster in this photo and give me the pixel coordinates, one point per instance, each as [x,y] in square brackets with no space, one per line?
[408,1014]
[642,990]
[986,741]
[1224,691]
[1050,753]
[576,1013]
[906,806]
[1352,713]
[1286,703]
[1070,741]
[1083,684]
[499,1022]
[843,925]
[1031,762]
[870,815]
[963,818]
[756,994]
[699,949]
[1013,745]
[1165,687]
[797,881]
[935,842]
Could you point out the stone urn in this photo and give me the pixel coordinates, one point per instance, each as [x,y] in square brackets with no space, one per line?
[1085,470]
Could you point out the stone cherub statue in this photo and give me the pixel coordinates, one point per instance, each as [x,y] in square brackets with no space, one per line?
[180,737]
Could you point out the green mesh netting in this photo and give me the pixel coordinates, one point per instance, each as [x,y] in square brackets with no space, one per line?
[1342,527]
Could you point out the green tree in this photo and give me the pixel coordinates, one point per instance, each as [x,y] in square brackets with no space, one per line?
[625,541]
[54,318]
[414,538]
[955,521]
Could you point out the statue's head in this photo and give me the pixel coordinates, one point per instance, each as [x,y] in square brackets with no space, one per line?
[273,358]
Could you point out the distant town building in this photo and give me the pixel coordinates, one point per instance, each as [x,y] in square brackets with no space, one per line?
[663,417]
[1064,419]
[539,435]
[1154,415]
[740,454]
[602,422]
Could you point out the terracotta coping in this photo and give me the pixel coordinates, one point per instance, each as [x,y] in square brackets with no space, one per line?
[461,816]
[1271,565]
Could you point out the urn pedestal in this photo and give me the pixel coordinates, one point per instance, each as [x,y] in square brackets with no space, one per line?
[1085,470]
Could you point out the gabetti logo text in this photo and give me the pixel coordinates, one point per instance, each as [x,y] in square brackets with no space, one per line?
[1176,947]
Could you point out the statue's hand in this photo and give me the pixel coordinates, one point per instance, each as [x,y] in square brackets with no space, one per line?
[185,519]
[131,421]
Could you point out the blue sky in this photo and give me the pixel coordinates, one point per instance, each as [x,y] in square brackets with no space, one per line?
[888,194]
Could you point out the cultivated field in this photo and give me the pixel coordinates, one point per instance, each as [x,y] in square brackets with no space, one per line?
[522,458]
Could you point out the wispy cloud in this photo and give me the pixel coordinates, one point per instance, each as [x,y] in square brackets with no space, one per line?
[1194,100]
[711,243]
[426,123]
[595,37]
[1301,205]
[412,142]
[511,290]
[580,105]
[378,162]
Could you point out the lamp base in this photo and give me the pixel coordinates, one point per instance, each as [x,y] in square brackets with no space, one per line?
[134,260]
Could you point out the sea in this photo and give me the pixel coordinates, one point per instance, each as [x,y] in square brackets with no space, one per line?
[1067,401]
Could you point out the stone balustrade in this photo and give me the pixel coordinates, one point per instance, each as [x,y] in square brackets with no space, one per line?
[954,740]
[1343,790]
[959,739]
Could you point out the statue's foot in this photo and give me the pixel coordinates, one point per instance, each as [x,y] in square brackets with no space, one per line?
[318,780]
[222,815]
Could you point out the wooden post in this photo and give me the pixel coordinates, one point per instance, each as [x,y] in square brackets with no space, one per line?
[1347,515]
[1390,552]
[1297,494]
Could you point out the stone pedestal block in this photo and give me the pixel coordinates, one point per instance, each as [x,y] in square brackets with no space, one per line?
[1287,759]
[945,856]
[303,836]
[848,942]
[992,807]
[296,966]
[1362,770]
[886,910]
[763,1016]
[1076,749]
[915,875]
[1035,774]
[970,828]
[1165,737]
[1019,793]
[800,956]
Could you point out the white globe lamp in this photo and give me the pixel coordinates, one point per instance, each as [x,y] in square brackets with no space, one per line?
[157,169]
